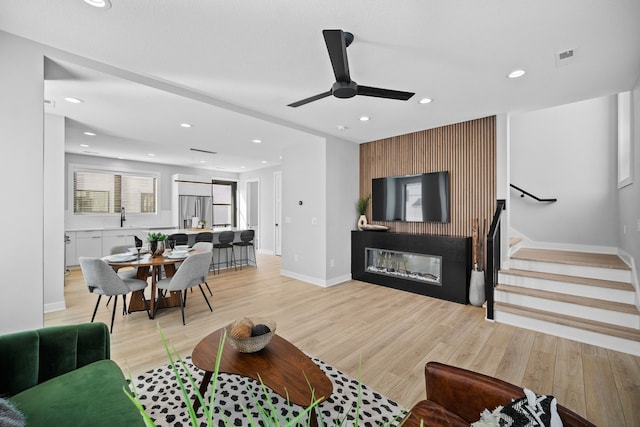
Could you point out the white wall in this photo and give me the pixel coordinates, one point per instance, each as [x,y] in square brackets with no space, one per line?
[343,177]
[629,196]
[316,235]
[266,220]
[569,153]
[304,225]
[22,177]
[54,246]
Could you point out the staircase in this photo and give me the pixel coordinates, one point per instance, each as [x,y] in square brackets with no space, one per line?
[583,296]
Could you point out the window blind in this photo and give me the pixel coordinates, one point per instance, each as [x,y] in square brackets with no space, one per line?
[105,193]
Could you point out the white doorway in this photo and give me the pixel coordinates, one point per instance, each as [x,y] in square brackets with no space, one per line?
[253,209]
[277,212]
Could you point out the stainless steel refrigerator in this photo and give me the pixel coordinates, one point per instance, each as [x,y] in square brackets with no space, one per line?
[195,206]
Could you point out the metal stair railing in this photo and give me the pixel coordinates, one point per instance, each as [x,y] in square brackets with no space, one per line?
[493,256]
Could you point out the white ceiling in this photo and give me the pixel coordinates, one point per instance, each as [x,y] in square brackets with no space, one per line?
[231,67]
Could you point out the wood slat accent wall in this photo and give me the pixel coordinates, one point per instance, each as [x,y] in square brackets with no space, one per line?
[467,150]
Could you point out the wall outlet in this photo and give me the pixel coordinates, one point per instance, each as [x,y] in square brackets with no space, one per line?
[314,221]
[287,220]
[332,263]
[295,257]
[624,229]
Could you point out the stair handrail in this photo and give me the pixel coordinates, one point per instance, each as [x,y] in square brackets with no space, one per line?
[493,255]
[524,192]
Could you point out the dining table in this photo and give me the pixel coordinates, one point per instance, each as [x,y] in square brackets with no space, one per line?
[152,267]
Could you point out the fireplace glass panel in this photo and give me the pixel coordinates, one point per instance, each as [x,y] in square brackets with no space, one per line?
[405,265]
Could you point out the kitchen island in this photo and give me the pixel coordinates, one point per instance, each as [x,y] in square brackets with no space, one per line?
[97,242]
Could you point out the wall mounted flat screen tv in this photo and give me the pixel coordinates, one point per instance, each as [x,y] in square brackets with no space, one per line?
[411,198]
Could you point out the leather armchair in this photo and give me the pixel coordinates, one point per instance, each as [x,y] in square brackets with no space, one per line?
[456,397]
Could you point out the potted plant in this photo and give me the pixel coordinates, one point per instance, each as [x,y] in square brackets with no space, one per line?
[363,202]
[156,243]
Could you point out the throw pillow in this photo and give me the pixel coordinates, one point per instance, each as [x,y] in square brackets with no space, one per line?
[9,415]
[532,410]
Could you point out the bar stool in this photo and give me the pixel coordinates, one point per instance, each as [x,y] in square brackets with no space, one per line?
[180,238]
[205,236]
[246,241]
[225,241]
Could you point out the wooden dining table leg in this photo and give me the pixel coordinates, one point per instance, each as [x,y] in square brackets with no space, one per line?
[136,302]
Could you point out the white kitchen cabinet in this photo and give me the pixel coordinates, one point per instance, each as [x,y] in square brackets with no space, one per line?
[191,185]
[89,244]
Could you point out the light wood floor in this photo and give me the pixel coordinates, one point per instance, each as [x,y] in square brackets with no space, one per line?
[392,333]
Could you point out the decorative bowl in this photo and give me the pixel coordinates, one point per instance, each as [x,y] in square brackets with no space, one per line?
[253,343]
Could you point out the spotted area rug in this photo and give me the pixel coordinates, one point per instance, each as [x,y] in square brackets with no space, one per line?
[159,393]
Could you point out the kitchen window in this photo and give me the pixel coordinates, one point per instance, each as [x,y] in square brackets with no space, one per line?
[99,192]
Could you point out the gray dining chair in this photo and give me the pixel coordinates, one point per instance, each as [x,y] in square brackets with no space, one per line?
[126,274]
[205,247]
[102,280]
[192,272]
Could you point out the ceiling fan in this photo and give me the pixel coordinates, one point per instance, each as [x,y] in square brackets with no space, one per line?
[337,42]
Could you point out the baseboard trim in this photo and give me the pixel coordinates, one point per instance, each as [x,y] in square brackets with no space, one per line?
[316,281]
[54,306]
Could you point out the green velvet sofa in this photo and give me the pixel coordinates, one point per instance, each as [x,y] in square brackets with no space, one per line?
[63,376]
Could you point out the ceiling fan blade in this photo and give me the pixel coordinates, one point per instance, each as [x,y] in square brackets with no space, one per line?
[384,93]
[310,99]
[337,47]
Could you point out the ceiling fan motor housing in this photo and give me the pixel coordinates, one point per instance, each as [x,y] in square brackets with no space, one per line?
[344,89]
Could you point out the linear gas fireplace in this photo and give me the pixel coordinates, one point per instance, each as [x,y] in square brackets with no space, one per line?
[405,265]
[435,266]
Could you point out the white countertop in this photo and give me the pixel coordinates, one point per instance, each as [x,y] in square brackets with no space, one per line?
[127,227]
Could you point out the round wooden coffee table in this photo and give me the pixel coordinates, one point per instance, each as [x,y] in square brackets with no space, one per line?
[281,366]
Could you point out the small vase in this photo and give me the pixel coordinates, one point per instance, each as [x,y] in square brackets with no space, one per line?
[156,248]
[362,221]
[476,288]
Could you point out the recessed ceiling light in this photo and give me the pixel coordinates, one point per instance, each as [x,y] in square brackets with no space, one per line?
[89,133]
[185,125]
[73,100]
[425,101]
[365,118]
[256,141]
[264,161]
[242,167]
[103,4]
[120,158]
[151,155]
[342,128]
[203,161]
[84,145]
[516,73]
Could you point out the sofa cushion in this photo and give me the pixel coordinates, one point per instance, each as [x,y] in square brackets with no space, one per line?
[433,415]
[18,362]
[89,396]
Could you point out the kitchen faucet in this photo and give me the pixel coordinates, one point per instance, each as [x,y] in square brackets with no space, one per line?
[122,217]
